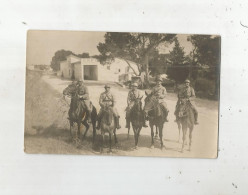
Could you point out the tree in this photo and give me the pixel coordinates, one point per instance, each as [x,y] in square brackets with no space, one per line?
[136,47]
[207,56]
[158,63]
[83,55]
[178,68]
[58,57]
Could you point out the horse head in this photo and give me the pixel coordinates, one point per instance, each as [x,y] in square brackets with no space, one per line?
[138,104]
[70,90]
[183,108]
[108,114]
[150,103]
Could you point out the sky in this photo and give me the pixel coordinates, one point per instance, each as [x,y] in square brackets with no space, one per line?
[42,45]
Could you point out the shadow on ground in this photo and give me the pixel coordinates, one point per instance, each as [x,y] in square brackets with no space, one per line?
[124,144]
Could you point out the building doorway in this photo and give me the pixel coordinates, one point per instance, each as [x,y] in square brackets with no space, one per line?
[90,72]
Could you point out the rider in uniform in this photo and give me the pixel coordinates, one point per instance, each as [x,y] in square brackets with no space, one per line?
[73,84]
[84,97]
[160,92]
[108,99]
[186,93]
[133,94]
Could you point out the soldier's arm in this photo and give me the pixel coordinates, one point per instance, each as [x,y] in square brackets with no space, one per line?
[113,100]
[163,94]
[86,93]
[192,97]
[101,100]
[128,98]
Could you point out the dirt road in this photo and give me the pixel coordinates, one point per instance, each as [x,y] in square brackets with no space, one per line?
[47,127]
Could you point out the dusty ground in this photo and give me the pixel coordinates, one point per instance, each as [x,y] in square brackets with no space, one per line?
[47,127]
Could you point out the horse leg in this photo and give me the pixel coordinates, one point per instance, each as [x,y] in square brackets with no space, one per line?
[184,136]
[161,136]
[190,137]
[94,131]
[156,135]
[152,134]
[135,138]
[138,133]
[102,142]
[71,125]
[179,131]
[115,137]
[87,128]
[128,133]
[110,142]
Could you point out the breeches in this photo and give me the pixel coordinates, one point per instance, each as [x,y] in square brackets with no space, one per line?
[192,105]
[114,110]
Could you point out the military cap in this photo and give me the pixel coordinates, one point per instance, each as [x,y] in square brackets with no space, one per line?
[158,78]
[135,84]
[187,81]
[107,86]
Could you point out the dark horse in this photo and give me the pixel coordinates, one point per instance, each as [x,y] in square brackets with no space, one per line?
[137,117]
[186,121]
[77,112]
[151,108]
[108,125]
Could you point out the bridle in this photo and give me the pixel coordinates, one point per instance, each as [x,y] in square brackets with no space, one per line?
[153,107]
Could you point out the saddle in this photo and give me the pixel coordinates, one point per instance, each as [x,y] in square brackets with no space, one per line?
[183,109]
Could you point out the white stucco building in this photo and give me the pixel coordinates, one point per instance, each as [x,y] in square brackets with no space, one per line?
[91,69]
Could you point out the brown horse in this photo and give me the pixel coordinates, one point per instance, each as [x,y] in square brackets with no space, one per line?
[186,121]
[77,112]
[137,118]
[108,125]
[151,109]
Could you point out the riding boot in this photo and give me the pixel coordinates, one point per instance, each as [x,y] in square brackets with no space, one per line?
[177,119]
[127,123]
[144,124]
[89,116]
[99,123]
[117,122]
[166,115]
[196,118]
[144,121]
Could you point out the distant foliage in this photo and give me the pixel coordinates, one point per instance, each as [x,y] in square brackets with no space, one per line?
[178,69]
[205,88]
[58,57]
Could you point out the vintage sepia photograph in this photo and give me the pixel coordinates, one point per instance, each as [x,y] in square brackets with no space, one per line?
[122,94]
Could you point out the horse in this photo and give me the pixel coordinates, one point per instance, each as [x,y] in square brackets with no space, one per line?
[108,125]
[186,121]
[136,118]
[151,109]
[78,114]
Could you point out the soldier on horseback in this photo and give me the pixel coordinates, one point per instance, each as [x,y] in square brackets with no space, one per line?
[186,93]
[108,99]
[84,97]
[160,92]
[133,95]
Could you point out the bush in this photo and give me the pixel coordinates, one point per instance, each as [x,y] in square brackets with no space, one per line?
[205,88]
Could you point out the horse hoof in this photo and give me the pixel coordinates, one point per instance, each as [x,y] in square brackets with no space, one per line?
[152,146]
[136,147]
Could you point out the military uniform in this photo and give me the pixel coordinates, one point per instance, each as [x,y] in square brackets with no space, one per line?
[160,92]
[84,97]
[186,93]
[133,94]
[107,99]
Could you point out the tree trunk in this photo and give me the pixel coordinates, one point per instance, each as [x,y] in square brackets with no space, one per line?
[146,63]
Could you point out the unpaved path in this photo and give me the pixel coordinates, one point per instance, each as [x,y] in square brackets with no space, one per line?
[47,129]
